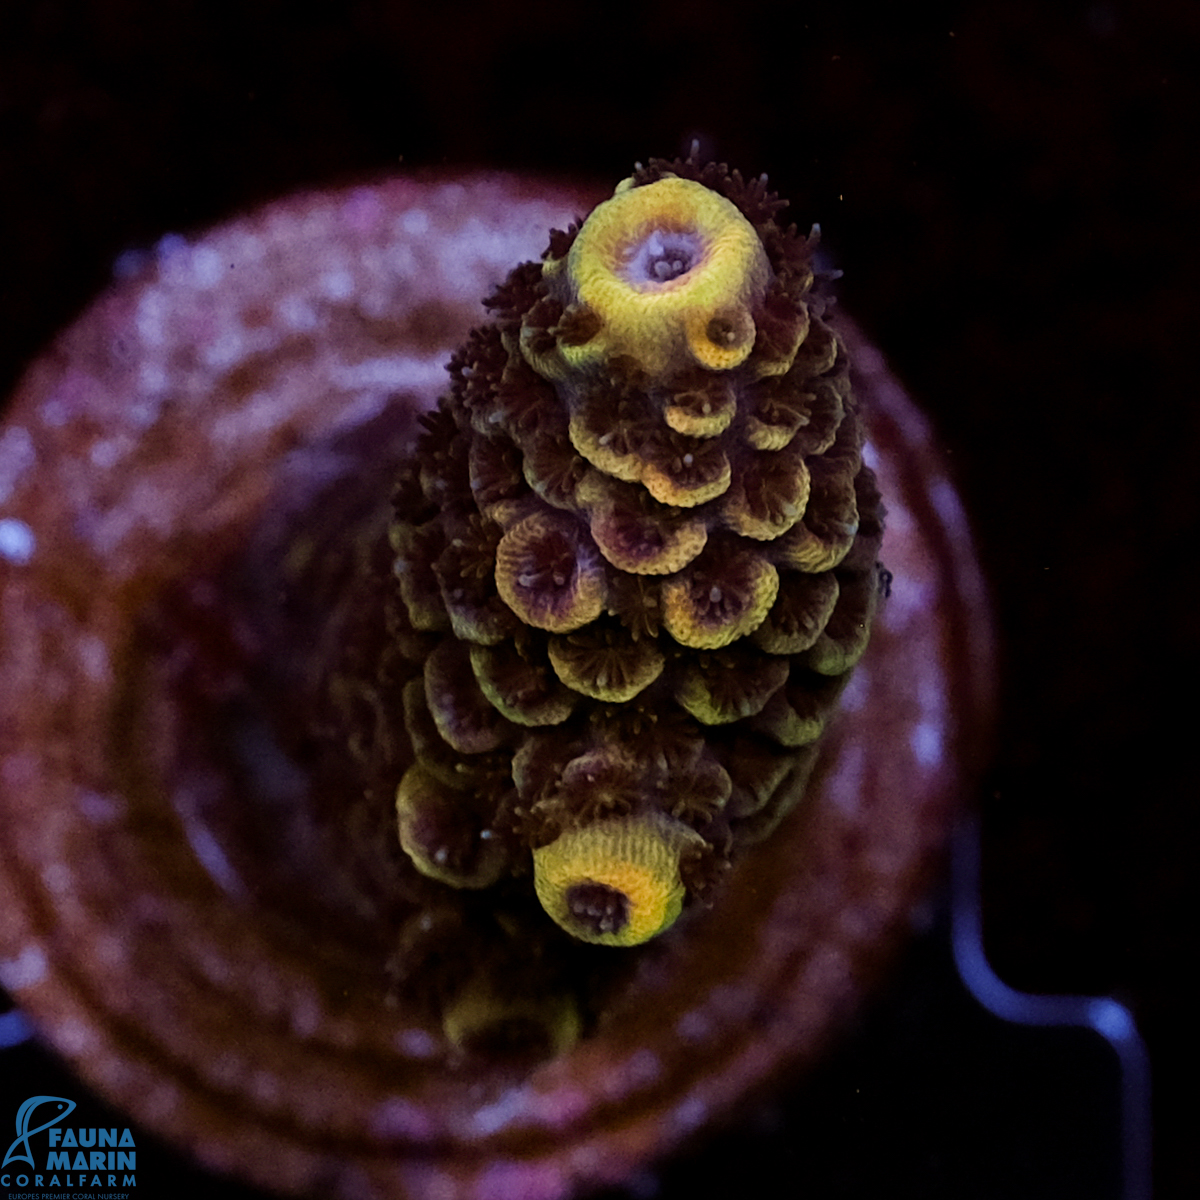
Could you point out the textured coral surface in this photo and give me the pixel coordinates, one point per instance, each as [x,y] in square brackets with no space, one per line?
[637,558]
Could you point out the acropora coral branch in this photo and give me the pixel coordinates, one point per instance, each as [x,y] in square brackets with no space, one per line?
[636,557]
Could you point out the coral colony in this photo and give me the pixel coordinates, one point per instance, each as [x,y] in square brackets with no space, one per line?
[635,559]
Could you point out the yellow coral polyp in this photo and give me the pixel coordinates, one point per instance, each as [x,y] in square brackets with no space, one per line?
[767,506]
[546,576]
[709,615]
[637,543]
[672,270]
[613,673]
[717,693]
[597,449]
[707,417]
[803,550]
[614,882]
[683,492]
[439,837]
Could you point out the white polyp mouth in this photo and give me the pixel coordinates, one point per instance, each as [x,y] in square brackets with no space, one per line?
[661,257]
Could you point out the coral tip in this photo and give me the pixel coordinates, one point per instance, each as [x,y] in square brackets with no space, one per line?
[636,558]
[615,882]
[672,270]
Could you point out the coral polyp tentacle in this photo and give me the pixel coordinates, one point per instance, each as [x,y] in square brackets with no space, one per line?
[635,557]
[685,473]
[844,638]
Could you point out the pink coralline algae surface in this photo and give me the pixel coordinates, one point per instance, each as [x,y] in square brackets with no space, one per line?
[185,923]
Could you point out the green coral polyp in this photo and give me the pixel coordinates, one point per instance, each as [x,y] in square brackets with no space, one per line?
[635,559]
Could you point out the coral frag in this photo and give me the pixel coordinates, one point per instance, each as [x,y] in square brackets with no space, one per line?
[635,559]
[204,729]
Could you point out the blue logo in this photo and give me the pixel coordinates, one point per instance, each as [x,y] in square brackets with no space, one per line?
[24,1133]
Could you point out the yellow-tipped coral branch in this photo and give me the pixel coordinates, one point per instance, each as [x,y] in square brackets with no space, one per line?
[636,556]
[614,883]
[669,272]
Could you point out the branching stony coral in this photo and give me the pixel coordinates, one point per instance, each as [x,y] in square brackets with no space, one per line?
[636,557]
[197,564]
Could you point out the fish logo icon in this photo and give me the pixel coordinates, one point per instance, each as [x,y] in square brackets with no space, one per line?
[24,1133]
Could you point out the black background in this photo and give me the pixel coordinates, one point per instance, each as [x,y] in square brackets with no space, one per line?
[1011,189]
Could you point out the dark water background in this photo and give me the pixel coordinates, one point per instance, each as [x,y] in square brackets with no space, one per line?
[1011,189]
